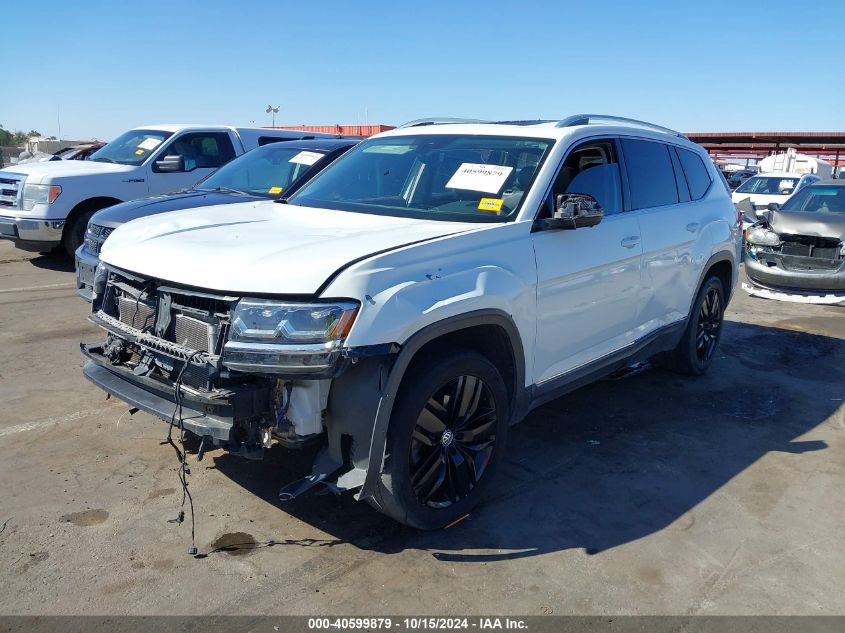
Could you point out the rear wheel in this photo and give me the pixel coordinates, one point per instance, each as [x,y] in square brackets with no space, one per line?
[446,438]
[695,351]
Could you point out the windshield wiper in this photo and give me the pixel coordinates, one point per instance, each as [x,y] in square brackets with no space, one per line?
[224,190]
[102,159]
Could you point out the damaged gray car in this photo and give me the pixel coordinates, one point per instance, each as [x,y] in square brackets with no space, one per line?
[796,252]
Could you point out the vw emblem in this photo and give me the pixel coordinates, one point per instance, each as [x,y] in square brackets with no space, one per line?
[447,437]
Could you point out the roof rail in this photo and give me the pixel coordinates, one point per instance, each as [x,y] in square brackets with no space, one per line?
[439,121]
[586,119]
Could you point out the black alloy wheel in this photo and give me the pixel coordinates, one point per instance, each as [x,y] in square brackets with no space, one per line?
[447,436]
[452,441]
[708,326]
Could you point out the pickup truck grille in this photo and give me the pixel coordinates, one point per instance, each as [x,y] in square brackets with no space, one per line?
[192,332]
[10,190]
[95,235]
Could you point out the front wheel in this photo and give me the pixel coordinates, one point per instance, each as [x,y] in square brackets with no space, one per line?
[75,233]
[694,353]
[446,438]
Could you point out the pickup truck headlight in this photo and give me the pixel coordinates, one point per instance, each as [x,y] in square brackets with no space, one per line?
[280,337]
[762,236]
[39,194]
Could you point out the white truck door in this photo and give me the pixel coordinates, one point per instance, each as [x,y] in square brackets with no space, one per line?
[188,158]
[588,279]
[670,224]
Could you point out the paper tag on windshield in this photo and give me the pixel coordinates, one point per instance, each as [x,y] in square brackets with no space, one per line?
[490,204]
[475,177]
[275,190]
[306,158]
[149,143]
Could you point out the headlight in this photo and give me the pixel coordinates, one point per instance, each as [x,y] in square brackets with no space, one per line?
[39,194]
[762,236]
[279,337]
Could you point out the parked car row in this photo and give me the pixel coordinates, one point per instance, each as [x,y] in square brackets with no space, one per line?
[399,302]
[48,204]
[271,171]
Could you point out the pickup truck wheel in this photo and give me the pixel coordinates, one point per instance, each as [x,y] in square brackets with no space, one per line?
[446,438]
[697,347]
[75,233]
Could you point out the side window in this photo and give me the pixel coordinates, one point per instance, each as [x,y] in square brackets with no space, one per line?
[592,168]
[697,176]
[202,150]
[651,178]
[680,180]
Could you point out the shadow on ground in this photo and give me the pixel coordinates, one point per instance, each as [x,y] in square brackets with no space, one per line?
[57,260]
[610,463]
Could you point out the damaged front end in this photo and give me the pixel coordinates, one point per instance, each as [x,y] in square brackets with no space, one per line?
[241,374]
[800,259]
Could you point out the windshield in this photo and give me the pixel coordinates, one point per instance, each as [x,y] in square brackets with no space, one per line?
[131,148]
[463,178]
[817,199]
[771,185]
[265,171]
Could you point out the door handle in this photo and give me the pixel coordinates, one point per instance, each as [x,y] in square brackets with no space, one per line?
[631,242]
[692,227]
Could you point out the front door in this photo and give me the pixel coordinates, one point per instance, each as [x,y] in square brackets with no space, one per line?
[588,279]
[202,152]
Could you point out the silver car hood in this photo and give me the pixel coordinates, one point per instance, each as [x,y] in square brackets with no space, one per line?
[813,224]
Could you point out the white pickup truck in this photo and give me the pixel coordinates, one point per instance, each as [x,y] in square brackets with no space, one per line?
[43,205]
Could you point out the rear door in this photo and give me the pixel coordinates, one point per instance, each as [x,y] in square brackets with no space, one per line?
[587,279]
[665,182]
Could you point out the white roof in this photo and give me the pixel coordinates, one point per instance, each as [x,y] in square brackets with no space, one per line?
[780,174]
[176,127]
[542,130]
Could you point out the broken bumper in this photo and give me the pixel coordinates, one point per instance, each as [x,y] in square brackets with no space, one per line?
[213,417]
[795,275]
[756,290]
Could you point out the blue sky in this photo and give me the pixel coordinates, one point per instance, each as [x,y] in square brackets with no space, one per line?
[693,65]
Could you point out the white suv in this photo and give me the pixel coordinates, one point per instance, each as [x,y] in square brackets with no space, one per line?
[418,297]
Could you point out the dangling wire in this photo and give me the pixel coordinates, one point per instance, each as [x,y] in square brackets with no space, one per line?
[182,454]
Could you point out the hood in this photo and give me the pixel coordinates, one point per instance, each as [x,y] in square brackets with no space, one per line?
[260,247]
[48,171]
[813,224]
[125,211]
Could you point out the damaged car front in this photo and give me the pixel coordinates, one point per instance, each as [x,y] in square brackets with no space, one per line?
[797,252]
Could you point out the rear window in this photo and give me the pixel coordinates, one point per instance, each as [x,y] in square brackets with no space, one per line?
[651,178]
[769,185]
[695,172]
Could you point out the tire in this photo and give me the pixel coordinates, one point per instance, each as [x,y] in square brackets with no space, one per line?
[75,233]
[694,353]
[436,447]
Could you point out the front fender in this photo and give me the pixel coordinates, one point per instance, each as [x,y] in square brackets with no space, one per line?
[397,313]
[362,399]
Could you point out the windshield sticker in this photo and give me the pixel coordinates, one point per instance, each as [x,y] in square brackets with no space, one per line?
[149,143]
[306,158]
[275,190]
[139,152]
[490,204]
[475,177]
[387,149]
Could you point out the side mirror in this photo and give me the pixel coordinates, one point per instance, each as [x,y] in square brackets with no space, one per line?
[170,164]
[573,211]
[773,206]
